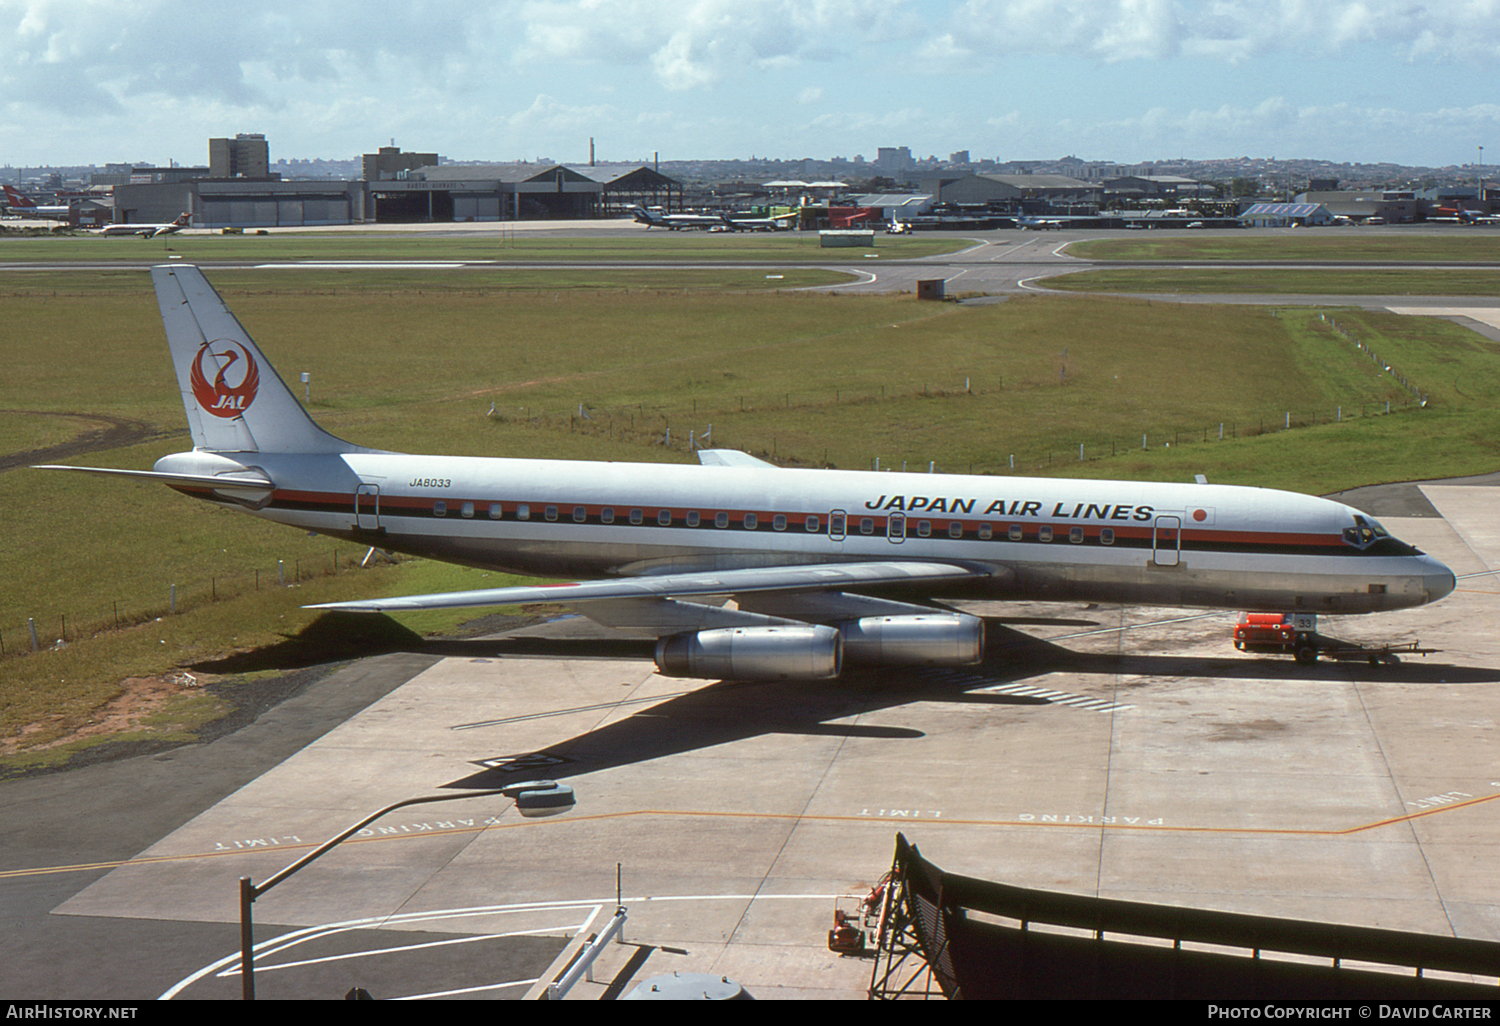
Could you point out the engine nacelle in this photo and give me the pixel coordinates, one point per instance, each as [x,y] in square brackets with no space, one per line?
[936,639]
[799,652]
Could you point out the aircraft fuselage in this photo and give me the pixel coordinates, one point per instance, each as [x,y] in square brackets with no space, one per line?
[1039,538]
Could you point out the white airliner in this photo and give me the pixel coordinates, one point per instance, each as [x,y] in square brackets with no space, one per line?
[150,231]
[25,206]
[746,570]
[677,222]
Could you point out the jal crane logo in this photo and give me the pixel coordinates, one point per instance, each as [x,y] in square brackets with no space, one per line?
[235,382]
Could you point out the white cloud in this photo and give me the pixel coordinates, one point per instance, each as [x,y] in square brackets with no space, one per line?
[1118,30]
[90,79]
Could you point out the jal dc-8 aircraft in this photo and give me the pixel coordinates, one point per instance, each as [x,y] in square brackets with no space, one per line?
[742,569]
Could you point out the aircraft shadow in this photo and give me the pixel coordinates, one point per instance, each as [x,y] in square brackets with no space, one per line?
[702,716]
[725,712]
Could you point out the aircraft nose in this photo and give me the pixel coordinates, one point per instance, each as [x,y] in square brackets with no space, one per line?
[1439,585]
[1437,580]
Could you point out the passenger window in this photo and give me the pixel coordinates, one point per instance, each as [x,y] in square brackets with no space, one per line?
[467,509]
[664,517]
[440,508]
[924,528]
[580,514]
[550,512]
[1044,533]
[496,511]
[721,520]
[523,511]
[956,529]
[811,524]
[1016,532]
[986,532]
[637,517]
[692,518]
[1107,536]
[1075,535]
[778,522]
[607,515]
[866,525]
[751,521]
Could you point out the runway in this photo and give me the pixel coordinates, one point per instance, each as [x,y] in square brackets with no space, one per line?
[990,264]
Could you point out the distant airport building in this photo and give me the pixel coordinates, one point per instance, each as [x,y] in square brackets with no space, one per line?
[1393,206]
[1452,197]
[244,156]
[1033,194]
[1286,215]
[630,185]
[389,162]
[900,206]
[127,175]
[397,187]
[486,192]
[1135,189]
[242,203]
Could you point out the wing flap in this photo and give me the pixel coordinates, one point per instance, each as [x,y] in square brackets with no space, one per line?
[814,577]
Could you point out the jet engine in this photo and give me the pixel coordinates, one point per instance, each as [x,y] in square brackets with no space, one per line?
[935,639]
[797,651]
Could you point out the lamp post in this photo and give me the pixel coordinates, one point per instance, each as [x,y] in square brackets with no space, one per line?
[533,798]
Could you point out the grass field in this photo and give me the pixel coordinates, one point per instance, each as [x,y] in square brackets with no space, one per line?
[1416,281]
[51,283]
[806,379]
[622,245]
[1461,245]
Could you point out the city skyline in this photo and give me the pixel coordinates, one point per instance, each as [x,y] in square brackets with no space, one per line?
[1116,80]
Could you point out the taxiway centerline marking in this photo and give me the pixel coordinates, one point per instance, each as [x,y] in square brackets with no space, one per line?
[710,814]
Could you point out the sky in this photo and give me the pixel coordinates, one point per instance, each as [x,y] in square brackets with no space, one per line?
[150,81]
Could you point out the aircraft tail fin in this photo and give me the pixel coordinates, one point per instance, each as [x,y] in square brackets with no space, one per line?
[16,200]
[235,401]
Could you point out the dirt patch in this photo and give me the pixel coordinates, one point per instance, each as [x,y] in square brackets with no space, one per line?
[139,698]
[115,433]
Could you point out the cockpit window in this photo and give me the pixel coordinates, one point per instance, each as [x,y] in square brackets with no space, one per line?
[1364,533]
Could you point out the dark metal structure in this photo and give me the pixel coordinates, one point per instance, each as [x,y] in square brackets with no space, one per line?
[966,938]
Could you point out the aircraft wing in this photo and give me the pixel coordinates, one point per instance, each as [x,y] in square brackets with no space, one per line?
[825,577]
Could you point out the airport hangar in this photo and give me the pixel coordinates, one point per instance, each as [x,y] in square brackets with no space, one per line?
[1021,193]
[452,192]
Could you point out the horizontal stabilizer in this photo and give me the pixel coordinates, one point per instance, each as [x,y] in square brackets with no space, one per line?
[818,577]
[238,482]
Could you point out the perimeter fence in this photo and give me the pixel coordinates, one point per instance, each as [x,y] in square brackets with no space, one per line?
[644,425]
[57,629]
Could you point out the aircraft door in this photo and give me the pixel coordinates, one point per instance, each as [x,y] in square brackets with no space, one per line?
[837,525]
[1166,541]
[895,528]
[367,507]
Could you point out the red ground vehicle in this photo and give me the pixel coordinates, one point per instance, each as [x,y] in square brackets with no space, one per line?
[1265,632]
[1297,633]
